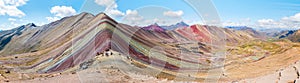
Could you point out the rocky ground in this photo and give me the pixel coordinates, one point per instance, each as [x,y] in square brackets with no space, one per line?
[285,75]
[112,67]
[99,70]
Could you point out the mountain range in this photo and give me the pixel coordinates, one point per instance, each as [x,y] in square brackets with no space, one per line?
[175,26]
[76,43]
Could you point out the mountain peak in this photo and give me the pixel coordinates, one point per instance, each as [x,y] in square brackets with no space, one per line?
[102,14]
[154,27]
[182,23]
[177,25]
[30,25]
[155,24]
[85,13]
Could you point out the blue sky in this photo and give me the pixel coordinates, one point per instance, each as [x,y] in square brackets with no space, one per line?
[253,13]
[257,9]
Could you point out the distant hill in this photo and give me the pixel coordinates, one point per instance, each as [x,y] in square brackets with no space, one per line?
[249,30]
[7,35]
[295,37]
[177,25]
[154,27]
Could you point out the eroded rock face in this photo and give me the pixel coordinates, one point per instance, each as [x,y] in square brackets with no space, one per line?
[85,65]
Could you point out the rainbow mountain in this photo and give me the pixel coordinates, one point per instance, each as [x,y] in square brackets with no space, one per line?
[183,54]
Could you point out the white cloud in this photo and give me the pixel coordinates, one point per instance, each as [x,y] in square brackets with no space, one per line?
[52,19]
[266,21]
[12,23]
[285,22]
[111,8]
[173,13]
[8,26]
[132,17]
[105,3]
[233,24]
[12,19]
[15,2]
[114,12]
[240,22]
[293,18]
[2,27]
[10,7]
[16,22]
[62,11]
